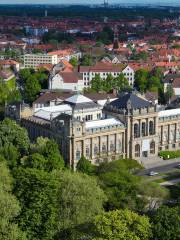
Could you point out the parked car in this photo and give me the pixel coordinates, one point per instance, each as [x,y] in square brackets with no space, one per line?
[178,166]
[152,173]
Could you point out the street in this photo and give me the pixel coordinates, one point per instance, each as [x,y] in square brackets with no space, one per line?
[160,169]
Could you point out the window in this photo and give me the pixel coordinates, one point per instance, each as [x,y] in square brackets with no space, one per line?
[137,150]
[143,129]
[136,130]
[78,154]
[87,151]
[152,147]
[96,150]
[151,128]
[104,150]
[112,147]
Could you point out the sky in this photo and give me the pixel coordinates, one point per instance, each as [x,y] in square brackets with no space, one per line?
[161,2]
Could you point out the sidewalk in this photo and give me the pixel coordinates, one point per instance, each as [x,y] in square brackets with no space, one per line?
[157,162]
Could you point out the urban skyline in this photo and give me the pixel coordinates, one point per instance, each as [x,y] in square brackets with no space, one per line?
[156,2]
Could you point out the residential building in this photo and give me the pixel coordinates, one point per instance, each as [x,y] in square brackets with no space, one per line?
[34,60]
[104,69]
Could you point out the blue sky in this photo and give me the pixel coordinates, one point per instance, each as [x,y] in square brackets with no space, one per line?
[173,2]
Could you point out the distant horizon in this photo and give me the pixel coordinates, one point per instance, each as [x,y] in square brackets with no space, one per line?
[94,2]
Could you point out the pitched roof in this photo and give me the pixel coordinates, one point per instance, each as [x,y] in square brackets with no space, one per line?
[69,77]
[129,98]
[78,98]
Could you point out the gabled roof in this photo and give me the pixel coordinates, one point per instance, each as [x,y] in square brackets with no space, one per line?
[78,99]
[129,99]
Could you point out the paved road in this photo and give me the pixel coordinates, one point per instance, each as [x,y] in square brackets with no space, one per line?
[170,182]
[160,169]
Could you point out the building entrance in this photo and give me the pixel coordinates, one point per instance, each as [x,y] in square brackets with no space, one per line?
[145,153]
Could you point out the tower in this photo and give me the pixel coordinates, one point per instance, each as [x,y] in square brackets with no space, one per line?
[116,38]
[45,13]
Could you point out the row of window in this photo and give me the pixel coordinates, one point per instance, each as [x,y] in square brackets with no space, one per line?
[138,149]
[144,130]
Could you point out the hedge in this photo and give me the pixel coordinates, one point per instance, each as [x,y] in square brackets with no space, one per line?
[169,154]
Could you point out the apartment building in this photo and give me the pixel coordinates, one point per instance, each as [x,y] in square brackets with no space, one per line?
[34,60]
[104,69]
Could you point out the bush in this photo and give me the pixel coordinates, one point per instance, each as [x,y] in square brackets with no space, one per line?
[169,154]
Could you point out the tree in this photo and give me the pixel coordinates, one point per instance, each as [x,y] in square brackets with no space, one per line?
[121,83]
[153,84]
[80,200]
[87,60]
[169,93]
[31,88]
[126,190]
[12,133]
[9,209]
[74,62]
[97,83]
[36,191]
[11,154]
[166,222]
[122,225]
[140,83]
[85,166]
[108,83]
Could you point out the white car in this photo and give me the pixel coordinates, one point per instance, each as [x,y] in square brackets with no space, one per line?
[152,173]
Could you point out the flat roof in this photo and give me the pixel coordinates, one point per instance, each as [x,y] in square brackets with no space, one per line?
[169,113]
[102,123]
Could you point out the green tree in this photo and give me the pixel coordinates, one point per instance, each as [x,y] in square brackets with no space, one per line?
[166,222]
[87,60]
[31,88]
[74,62]
[153,84]
[80,200]
[12,133]
[11,154]
[122,225]
[85,166]
[121,83]
[124,189]
[9,209]
[141,77]
[97,83]
[36,191]
[169,93]
[108,83]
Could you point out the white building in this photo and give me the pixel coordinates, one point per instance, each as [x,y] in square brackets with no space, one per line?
[89,72]
[34,60]
[66,54]
[66,81]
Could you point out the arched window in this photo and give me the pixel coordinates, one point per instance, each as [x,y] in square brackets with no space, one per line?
[151,128]
[136,130]
[152,147]
[137,150]
[143,129]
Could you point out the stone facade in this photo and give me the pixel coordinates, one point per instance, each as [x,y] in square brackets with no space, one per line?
[128,127]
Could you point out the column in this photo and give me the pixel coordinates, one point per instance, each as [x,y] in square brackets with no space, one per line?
[91,148]
[108,145]
[100,146]
[147,127]
[169,131]
[83,148]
